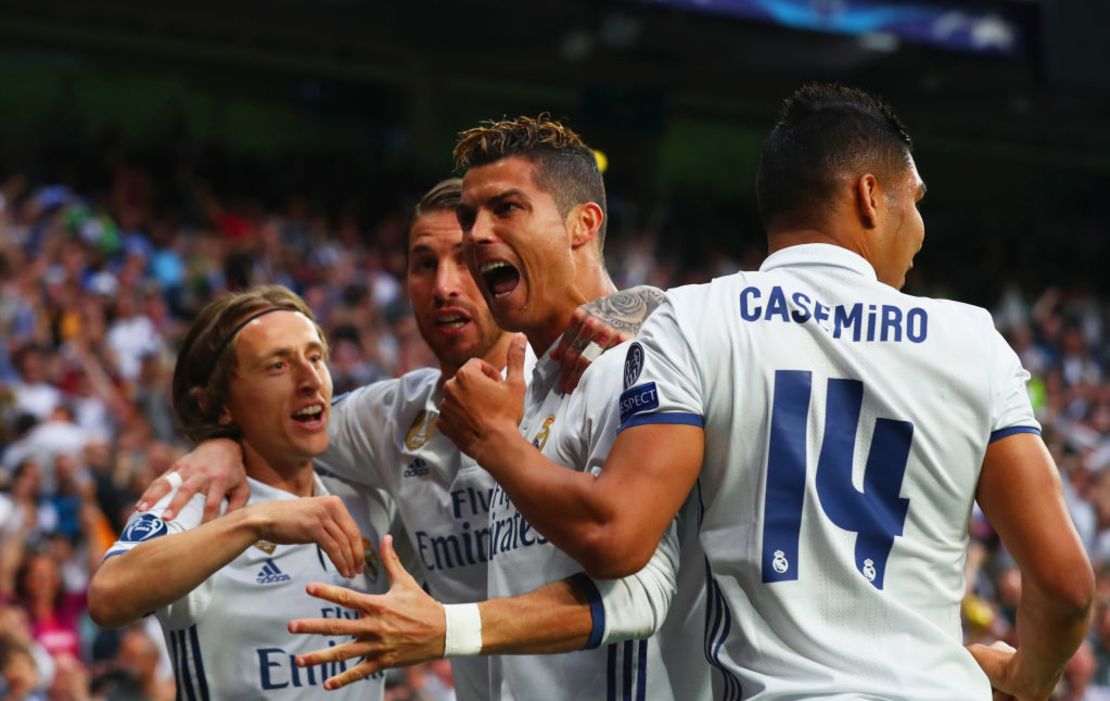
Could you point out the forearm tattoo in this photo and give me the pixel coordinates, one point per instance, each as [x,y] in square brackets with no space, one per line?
[625,311]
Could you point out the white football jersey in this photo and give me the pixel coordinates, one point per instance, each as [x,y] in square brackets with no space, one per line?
[384,435]
[577,430]
[228,637]
[845,426]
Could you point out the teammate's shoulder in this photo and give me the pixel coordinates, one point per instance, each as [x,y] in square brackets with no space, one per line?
[605,372]
[146,525]
[970,313]
[408,386]
[419,379]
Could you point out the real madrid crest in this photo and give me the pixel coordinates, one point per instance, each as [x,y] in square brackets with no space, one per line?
[780,563]
[540,439]
[869,570]
[266,546]
[421,431]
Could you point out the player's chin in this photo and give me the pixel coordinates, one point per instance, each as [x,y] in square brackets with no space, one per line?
[310,446]
[456,354]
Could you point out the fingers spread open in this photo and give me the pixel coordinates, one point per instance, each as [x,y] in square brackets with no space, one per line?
[392,564]
[364,627]
[337,595]
[345,651]
[356,673]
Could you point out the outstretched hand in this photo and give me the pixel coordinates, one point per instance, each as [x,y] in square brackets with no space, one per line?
[402,627]
[214,468]
[478,405]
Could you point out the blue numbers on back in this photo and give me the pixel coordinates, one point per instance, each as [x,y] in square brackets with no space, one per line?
[877,514]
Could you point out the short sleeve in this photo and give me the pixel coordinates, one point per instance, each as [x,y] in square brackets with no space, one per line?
[1011,409]
[358,418]
[661,380]
[149,525]
[595,415]
[634,606]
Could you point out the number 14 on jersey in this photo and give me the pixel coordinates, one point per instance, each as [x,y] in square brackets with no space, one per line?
[876,514]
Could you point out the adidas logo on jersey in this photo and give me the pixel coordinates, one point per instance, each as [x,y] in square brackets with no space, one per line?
[417,468]
[270,574]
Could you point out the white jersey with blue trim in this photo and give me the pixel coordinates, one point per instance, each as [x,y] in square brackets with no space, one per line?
[384,435]
[577,430]
[228,638]
[845,427]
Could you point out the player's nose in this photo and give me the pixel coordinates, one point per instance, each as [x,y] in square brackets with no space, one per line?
[447,280]
[481,231]
[310,376]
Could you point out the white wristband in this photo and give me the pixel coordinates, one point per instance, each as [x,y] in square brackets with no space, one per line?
[464,630]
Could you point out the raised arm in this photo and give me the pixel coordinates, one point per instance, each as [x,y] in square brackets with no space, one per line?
[652,467]
[1021,495]
[164,568]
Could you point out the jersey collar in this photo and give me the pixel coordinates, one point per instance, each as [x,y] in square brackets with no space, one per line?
[545,373]
[819,254]
[260,491]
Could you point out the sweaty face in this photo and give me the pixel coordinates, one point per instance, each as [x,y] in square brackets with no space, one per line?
[905,232]
[517,244]
[280,395]
[450,312]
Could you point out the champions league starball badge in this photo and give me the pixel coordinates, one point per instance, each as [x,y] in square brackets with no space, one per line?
[143,528]
[633,364]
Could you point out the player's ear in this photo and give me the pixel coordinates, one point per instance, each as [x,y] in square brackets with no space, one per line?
[225,418]
[868,194]
[585,221]
[204,399]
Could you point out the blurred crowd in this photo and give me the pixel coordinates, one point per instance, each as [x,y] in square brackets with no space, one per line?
[97,289]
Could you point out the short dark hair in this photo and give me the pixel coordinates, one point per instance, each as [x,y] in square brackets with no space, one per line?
[825,132]
[206,361]
[564,165]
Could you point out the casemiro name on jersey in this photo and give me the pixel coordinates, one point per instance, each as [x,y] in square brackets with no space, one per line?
[860,321]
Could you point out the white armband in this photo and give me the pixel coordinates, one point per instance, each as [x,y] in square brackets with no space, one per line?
[463,635]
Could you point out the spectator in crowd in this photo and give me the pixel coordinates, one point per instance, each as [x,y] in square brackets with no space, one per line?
[18,672]
[55,614]
[138,657]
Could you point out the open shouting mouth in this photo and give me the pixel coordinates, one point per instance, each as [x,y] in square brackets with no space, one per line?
[311,416]
[500,277]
